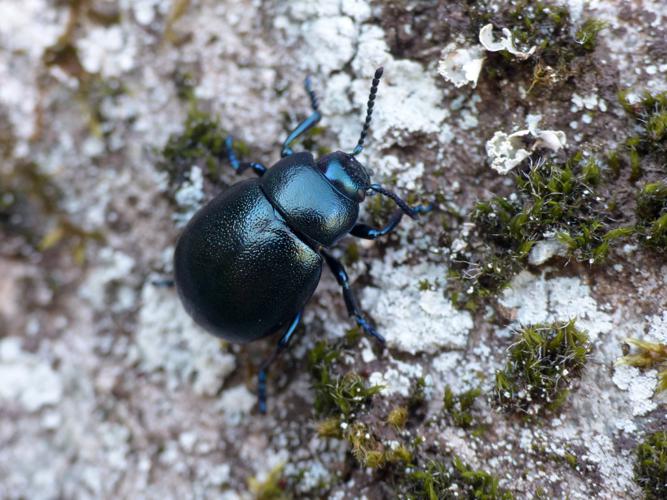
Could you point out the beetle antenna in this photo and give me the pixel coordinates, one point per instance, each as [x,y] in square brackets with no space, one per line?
[369,111]
[407,209]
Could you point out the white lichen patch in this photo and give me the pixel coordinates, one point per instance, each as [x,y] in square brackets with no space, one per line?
[189,197]
[26,378]
[27,28]
[236,403]
[397,379]
[412,320]
[109,51]
[544,250]
[505,43]
[107,286]
[410,103]
[180,349]
[536,299]
[506,151]
[407,174]
[657,328]
[639,386]
[461,65]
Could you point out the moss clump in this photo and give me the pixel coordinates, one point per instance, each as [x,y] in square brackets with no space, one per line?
[459,406]
[542,24]
[201,143]
[650,138]
[380,209]
[398,417]
[343,400]
[552,200]
[272,488]
[340,395]
[651,466]
[543,362]
[443,481]
[648,355]
[652,216]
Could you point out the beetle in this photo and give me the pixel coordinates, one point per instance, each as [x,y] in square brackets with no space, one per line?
[247,263]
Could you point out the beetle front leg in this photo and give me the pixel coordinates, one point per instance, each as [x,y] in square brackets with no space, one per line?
[241,166]
[282,345]
[351,303]
[305,125]
[372,233]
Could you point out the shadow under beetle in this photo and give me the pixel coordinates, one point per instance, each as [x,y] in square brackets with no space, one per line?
[249,261]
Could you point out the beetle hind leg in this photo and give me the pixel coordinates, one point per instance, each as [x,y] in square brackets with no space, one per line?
[282,345]
[241,166]
[351,303]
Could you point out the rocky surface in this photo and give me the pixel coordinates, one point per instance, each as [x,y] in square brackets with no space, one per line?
[108,389]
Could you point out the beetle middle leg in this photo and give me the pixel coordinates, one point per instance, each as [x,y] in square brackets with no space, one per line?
[282,345]
[351,303]
[305,125]
[241,166]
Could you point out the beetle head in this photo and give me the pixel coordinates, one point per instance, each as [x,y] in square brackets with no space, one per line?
[346,173]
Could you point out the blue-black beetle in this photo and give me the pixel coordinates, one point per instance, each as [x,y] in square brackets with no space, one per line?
[249,261]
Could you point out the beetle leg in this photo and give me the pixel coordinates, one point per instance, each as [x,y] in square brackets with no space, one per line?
[163,283]
[305,125]
[351,303]
[241,166]
[372,233]
[282,345]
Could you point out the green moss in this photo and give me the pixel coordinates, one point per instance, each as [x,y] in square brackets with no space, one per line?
[184,81]
[559,199]
[438,480]
[545,25]
[417,394]
[352,254]
[380,209]
[587,34]
[311,141]
[648,355]
[651,466]
[398,417]
[339,395]
[459,406]
[648,140]
[343,400]
[272,488]
[202,143]
[652,215]
[543,361]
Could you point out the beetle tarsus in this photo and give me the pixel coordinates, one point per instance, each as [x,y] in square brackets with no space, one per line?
[163,283]
[241,166]
[283,343]
[369,330]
